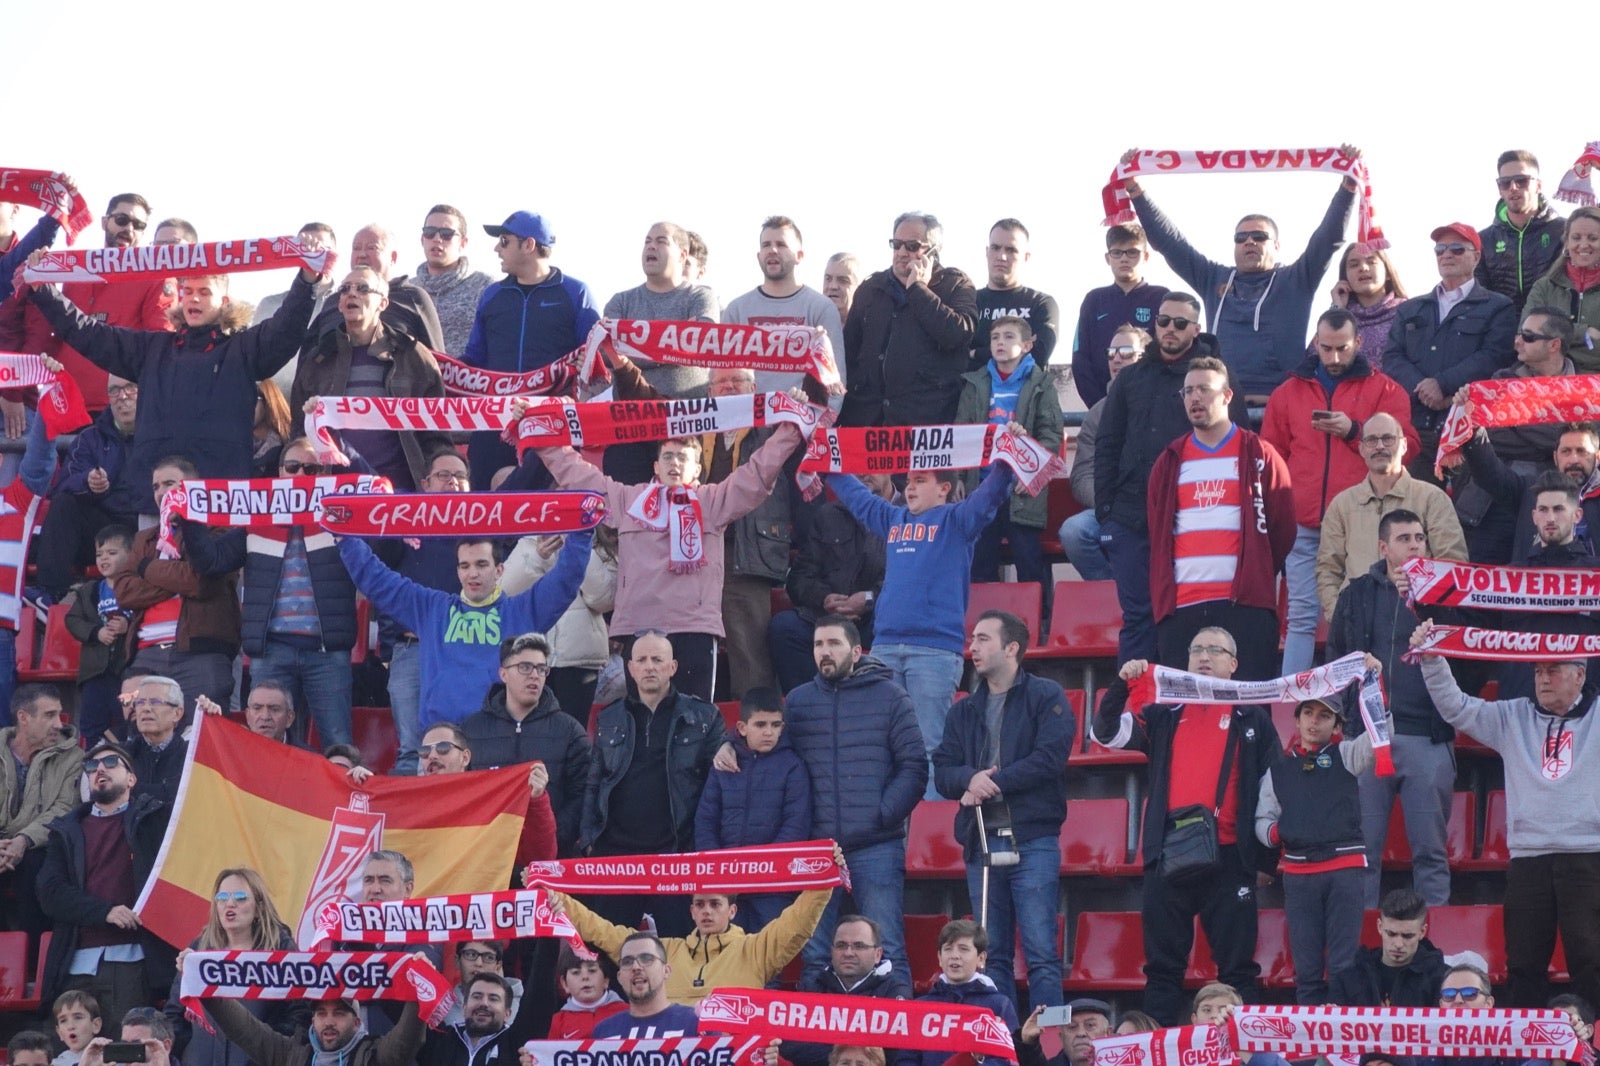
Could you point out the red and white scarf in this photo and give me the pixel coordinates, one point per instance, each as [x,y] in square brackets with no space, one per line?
[1119,206]
[150,262]
[908,449]
[1184,1045]
[1504,645]
[1445,583]
[442,414]
[45,190]
[256,503]
[676,512]
[913,1025]
[1502,402]
[782,348]
[1305,1032]
[61,404]
[655,1051]
[1163,684]
[561,377]
[314,975]
[1576,187]
[762,868]
[460,514]
[551,423]
[507,915]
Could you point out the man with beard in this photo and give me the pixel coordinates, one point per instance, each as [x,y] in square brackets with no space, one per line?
[1574,459]
[780,300]
[445,751]
[643,972]
[487,1033]
[336,1036]
[1091,1021]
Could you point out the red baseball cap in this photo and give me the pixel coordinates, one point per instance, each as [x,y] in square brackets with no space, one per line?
[1462,230]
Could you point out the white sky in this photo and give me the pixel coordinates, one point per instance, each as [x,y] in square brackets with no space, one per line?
[251,119]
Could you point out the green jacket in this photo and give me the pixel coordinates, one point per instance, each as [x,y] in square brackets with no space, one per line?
[1038,411]
[51,789]
[1555,290]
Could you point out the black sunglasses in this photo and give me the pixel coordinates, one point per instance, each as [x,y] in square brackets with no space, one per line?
[1260,236]
[295,466]
[1167,320]
[123,219]
[442,232]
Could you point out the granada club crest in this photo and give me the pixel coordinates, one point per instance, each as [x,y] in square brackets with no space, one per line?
[353,834]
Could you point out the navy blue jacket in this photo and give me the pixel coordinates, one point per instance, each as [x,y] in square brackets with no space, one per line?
[1036,734]
[1103,310]
[978,992]
[767,802]
[101,445]
[524,330]
[860,740]
[42,235]
[1472,342]
[261,558]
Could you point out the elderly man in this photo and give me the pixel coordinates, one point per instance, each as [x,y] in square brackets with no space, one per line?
[447,277]
[158,751]
[1091,1020]
[39,775]
[841,275]
[410,311]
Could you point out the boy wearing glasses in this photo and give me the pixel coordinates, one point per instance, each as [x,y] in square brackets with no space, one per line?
[1522,242]
[1128,300]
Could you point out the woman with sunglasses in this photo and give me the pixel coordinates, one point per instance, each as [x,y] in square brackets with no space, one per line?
[1371,291]
[1573,285]
[272,428]
[242,918]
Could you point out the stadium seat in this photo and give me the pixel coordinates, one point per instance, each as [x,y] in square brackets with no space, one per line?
[1022,598]
[27,638]
[58,659]
[1094,839]
[730,714]
[1457,928]
[1458,834]
[17,991]
[1272,953]
[1019,960]
[932,851]
[1107,952]
[373,729]
[922,948]
[1085,620]
[1495,852]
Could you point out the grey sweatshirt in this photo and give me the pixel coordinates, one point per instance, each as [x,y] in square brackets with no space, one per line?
[1549,806]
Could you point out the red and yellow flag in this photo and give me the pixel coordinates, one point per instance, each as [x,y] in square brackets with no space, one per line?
[248,801]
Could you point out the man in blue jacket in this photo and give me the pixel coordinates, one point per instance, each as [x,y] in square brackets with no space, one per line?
[1005,751]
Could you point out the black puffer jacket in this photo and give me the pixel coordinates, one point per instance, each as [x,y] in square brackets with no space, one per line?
[261,558]
[1513,259]
[548,734]
[860,739]
[906,349]
[837,556]
[695,733]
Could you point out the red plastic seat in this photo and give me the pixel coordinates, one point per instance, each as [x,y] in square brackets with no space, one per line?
[1458,835]
[931,848]
[1022,598]
[730,714]
[1458,928]
[1272,953]
[1085,620]
[922,948]
[1094,839]
[363,645]
[1107,952]
[17,991]
[1496,854]
[27,638]
[58,659]
[373,728]
[1019,960]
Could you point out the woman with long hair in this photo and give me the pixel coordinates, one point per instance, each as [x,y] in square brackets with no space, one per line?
[272,428]
[242,918]
[1572,286]
[1371,291]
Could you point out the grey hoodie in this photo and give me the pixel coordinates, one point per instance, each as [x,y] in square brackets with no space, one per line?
[1549,806]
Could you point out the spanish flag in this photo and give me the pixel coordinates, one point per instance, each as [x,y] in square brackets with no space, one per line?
[245,800]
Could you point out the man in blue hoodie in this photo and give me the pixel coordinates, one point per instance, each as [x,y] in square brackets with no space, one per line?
[963,949]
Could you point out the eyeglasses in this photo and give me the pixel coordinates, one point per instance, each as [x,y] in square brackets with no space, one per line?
[122,218]
[507,239]
[231,897]
[911,246]
[1125,253]
[474,955]
[274,708]
[1167,320]
[116,392]
[364,289]
[1204,392]
[1123,350]
[674,458]
[1387,440]
[295,466]
[444,233]
[1519,181]
[853,945]
[1455,248]
[1466,995]
[443,747]
[140,705]
[450,476]
[528,669]
[1530,337]
[1259,236]
[644,958]
[1212,650]
[110,762]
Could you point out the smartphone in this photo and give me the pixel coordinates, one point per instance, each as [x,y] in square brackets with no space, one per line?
[1321,414]
[124,1051]
[1051,1017]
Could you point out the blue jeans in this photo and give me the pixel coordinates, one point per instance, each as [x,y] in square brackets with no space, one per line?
[405,703]
[930,677]
[1080,539]
[1024,897]
[1300,575]
[320,680]
[1128,552]
[878,881]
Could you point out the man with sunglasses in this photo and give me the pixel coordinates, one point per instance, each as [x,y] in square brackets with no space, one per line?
[1458,333]
[445,750]
[410,309]
[1524,239]
[1129,300]
[447,276]
[97,857]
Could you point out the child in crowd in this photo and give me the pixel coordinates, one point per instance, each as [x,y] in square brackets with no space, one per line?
[963,951]
[77,1015]
[767,801]
[96,621]
[587,986]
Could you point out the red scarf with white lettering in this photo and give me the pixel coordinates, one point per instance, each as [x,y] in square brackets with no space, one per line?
[314,975]
[1305,1032]
[551,423]
[1575,187]
[1184,1045]
[45,190]
[1119,207]
[908,449]
[61,404]
[561,377]
[1504,645]
[913,1025]
[1163,684]
[507,915]
[793,867]
[1445,583]
[460,514]
[781,348]
[676,512]
[153,262]
[256,503]
[1502,402]
[443,414]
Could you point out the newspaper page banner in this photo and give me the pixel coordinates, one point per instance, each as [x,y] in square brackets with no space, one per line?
[314,975]
[1504,645]
[46,190]
[1305,1032]
[910,449]
[153,262]
[1186,1045]
[461,514]
[1441,582]
[664,1051]
[781,348]
[762,868]
[914,1025]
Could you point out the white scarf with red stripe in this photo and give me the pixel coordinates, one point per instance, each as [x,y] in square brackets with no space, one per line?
[506,915]
[1446,583]
[442,414]
[676,512]
[314,975]
[1504,645]
[256,503]
[909,449]
[153,262]
[782,348]
[796,867]
[560,377]
[1184,1045]
[1304,1032]
[61,406]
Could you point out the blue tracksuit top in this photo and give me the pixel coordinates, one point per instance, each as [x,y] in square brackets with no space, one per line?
[516,329]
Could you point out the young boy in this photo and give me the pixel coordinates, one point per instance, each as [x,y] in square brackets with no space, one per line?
[78,1021]
[98,623]
[963,951]
[1310,807]
[768,801]
[1012,389]
[587,986]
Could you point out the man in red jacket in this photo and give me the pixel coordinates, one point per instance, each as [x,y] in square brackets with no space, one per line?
[1314,419]
[1221,519]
